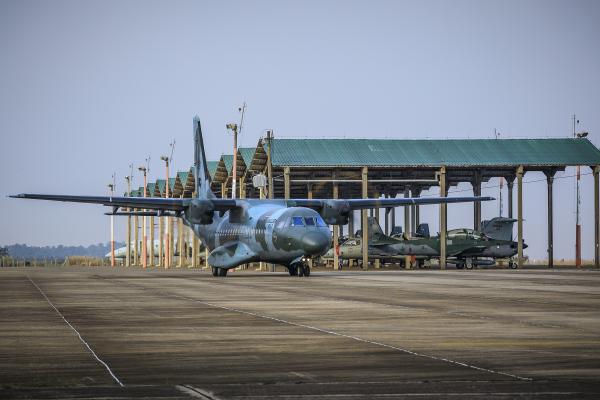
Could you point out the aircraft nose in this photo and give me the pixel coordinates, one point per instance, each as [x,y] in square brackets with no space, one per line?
[315,243]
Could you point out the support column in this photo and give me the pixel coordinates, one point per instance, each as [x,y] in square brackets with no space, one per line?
[336,229]
[376,212]
[364,219]
[286,182]
[224,190]
[520,215]
[151,252]
[194,249]
[136,253]
[509,186]
[443,219]
[415,217]
[128,244]
[171,241]
[161,242]
[596,171]
[393,217]
[310,196]
[181,242]
[407,227]
[387,221]
[351,233]
[476,183]
[550,180]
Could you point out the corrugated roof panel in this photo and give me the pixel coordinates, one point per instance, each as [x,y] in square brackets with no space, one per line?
[228,160]
[469,152]
[247,154]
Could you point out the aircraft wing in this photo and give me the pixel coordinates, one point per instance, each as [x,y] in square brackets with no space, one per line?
[357,204]
[150,203]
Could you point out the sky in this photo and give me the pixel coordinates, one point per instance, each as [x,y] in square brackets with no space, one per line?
[87,88]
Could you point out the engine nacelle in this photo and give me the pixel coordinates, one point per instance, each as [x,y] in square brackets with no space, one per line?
[336,212]
[200,211]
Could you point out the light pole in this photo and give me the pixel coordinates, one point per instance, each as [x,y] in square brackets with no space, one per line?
[144,170]
[579,135]
[234,129]
[128,255]
[167,231]
[111,187]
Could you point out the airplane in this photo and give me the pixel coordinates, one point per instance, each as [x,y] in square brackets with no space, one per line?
[464,248]
[121,252]
[239,231]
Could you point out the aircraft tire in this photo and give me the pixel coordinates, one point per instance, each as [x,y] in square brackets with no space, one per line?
[215,271]
[460,265]
[301,270]
[293,270]
[222,272]
[307,271]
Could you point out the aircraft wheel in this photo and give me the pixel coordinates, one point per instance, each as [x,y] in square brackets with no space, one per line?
[301,270]
[293,270]
[215,271]
[460,265]
[307,271]
[222,272]
[469,266]
[512,265]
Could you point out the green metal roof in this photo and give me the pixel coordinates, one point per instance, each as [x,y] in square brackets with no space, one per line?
[183,176]
[171,185]
[150,188]
[228,160]
[247,154]
[161,185]
[425,153]
[212,168]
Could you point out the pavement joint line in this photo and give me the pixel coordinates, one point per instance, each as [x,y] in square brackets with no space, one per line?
[414,308]
[356,338]
[196,393]
[77,332]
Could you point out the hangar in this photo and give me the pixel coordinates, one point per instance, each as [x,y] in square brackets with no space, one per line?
[352,168]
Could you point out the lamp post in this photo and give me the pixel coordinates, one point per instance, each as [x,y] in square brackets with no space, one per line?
[167,230]
[144,170]
[579,135]
[234,129]
[111,187]
[128,245]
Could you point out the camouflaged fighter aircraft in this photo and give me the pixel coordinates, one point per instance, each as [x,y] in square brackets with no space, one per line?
[465,247]
[239,231]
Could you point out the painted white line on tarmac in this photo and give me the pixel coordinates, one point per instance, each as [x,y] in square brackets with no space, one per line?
[359,339]
[78,334]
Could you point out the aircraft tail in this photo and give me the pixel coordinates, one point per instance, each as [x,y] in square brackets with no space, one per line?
[375,231]
[200,167]
[498,228]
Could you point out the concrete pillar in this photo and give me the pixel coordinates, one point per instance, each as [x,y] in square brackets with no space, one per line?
[351,225]
[336,230]
[443,219]
[242,187]
[151,252]
[195,243]
[376,212]
[171,241]
[364,220]
[509,186]
[128,244]
[415,212]
[224,190]
[181,241]
[387,220]
[161,242]
[520,215]
[407,230]
[309,196]
[476,182]
[136,253]
[286,182]
[596,171]
[550,181]
[393,217]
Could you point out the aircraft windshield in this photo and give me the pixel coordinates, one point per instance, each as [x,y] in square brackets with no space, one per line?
[297,221]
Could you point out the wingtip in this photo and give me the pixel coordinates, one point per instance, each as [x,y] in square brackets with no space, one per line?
[17,196]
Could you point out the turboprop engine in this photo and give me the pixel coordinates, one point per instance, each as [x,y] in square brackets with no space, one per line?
[336,212]
[200,211]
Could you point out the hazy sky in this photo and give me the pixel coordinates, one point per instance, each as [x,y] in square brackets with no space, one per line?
[86,88]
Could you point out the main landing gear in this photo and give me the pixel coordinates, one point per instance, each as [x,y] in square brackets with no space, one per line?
[299,269]
[216,271]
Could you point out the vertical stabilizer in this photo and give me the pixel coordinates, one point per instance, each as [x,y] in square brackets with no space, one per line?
[200,167]
[375,231]
[498,228]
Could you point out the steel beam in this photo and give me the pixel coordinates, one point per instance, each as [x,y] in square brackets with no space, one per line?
[550,180]
[520,215]
[364,219]
[443,220]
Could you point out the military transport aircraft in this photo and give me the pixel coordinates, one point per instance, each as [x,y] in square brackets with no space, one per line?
[465,247]
[239,231]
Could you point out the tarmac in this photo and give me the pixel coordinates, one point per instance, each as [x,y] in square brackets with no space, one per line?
[102,332]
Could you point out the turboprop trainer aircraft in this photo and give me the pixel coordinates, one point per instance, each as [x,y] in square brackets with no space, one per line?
[239,231]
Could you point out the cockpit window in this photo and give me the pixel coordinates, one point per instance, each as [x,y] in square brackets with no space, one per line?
[320,222]
[297,221]
[310,221]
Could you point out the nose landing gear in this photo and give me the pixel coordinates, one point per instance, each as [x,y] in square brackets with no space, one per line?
[216,271]
[299,269]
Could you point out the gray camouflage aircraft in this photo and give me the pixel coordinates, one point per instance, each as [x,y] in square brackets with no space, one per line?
[240,231]
[465,247]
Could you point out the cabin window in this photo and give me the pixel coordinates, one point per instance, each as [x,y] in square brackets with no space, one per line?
[320,222]
[297,221]
[310,221]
